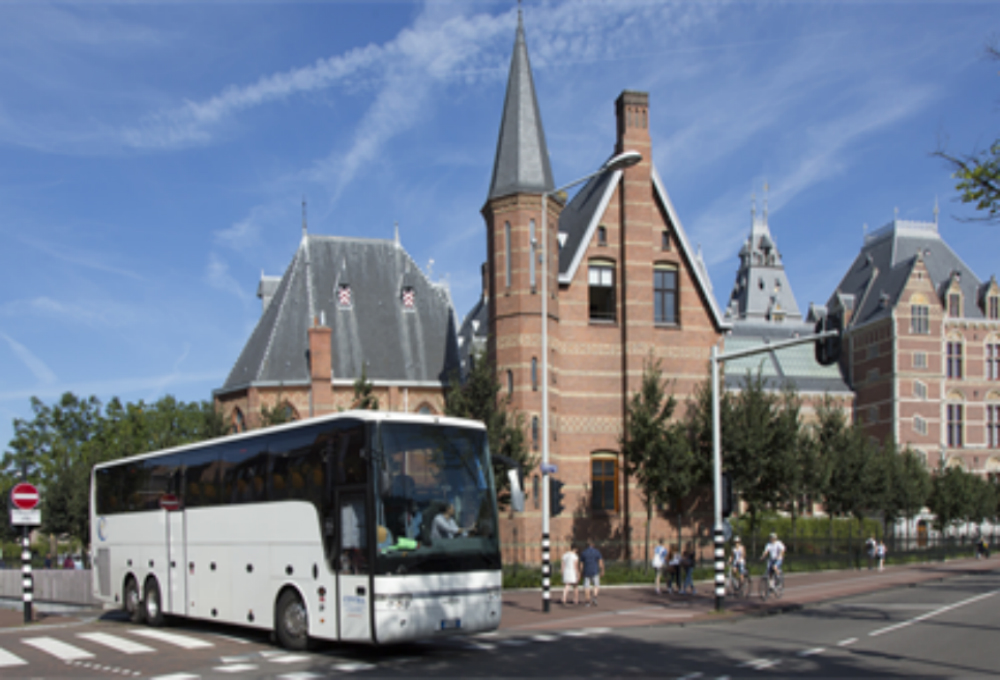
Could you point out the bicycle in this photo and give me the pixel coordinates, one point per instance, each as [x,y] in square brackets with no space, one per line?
[738,582]
[773,582]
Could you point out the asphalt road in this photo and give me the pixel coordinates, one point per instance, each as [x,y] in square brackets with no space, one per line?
[942,629]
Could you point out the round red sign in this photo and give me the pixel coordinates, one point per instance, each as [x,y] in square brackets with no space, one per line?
[170,502]
[25,496]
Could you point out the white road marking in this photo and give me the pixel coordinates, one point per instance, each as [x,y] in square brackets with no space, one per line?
[8,659]
[119,644]
[351,667]
[769,664]
[481,646]
[236,668]
[61,650]
[182,641]
[268,653]
[812,652]
[177,676]
[289,658]
[922,617]
[848,641]
[304,675]
[596,631]
[544,638]
[757,664]
[234,659]
[513,642]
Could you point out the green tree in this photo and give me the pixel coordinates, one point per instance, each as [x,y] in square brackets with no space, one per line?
[652,456]
[364,392]
[951,497]
[478,398]
[978,173]
[909,486]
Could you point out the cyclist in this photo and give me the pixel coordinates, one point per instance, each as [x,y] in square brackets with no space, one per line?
[774,551]
[738,560]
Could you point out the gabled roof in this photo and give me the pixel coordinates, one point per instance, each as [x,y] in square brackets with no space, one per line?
[879,273]
[522,159]
[581,216]
[396,343]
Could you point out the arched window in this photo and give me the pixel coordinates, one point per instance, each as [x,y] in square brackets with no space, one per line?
[604,481]
[507,254]
[425,409]
[601,278]
[239,421]
[510,383]
[954,350]
[602,236]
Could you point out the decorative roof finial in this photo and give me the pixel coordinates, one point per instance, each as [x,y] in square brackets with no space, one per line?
[937,211]
[895,214]
[396,234]
[304,229]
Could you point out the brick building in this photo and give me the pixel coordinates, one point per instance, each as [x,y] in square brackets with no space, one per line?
[922,347]
[625,286]
[343,305]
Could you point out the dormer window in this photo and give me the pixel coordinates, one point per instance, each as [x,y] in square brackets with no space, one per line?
[602,236]
[993,307]
[409,299]
[344,296]
[955,305]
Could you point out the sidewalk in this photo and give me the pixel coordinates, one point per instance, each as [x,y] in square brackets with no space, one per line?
[622,606]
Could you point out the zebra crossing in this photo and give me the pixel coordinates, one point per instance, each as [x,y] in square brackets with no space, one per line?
[119,653]
[83,649]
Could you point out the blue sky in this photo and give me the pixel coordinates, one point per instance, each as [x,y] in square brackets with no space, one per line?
[154,156]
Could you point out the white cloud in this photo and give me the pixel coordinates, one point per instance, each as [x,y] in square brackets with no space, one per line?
[42,372]
[217,275]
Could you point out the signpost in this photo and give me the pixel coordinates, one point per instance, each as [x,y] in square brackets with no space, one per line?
[24,512]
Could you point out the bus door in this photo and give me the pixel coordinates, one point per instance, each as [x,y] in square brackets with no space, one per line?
[176,595]
[353,568]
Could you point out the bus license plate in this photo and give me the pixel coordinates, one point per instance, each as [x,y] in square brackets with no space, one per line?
[451,624]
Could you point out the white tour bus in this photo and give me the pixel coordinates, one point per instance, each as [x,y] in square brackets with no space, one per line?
[326,528]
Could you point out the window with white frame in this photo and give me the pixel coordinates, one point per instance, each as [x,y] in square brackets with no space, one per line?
[955,360]
[956,418]
[601,277]
[993,425]
[920,425]
[920,319]
[919,389]
[993,361]
[920,360]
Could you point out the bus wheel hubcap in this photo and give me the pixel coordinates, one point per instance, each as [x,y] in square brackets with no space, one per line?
[295,619]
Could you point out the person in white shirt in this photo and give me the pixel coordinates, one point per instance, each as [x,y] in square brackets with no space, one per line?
[444,525]
[739,557]
[774,551]
[571,575]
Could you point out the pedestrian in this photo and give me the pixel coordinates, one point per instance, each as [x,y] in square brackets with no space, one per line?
[674,572]
[880,555]
[660,557]
[593,570]
[870,547]
[48,561]
[68,562]
[571,574]
[687,563]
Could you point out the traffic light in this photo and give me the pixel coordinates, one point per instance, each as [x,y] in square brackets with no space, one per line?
[727,494]
[555,497]
[828,349]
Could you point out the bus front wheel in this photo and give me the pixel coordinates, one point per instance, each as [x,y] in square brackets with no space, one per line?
[292,621]
[133,602]
[153,603]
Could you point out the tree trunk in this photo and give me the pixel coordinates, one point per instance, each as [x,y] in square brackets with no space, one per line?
[649,521]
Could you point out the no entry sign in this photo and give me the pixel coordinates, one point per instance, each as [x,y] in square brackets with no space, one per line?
[24,496]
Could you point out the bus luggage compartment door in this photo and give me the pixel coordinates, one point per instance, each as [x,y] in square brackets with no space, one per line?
[176,586]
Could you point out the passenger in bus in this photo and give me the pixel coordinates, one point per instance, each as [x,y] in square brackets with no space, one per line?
[444,525]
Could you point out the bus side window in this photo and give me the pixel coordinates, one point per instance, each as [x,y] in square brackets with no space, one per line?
[109,490]
[132,487]
[201,479]
[352,468]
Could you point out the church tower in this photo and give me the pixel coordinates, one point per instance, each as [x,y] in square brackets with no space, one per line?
[521,174]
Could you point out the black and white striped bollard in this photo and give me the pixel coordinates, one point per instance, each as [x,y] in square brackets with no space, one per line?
[546,572]
[720,569]
[27,582]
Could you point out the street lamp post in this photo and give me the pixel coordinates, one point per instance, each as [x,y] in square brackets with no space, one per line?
[619,162]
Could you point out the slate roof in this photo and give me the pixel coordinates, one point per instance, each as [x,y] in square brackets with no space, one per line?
[522,159]
[581,216]
[398,345]
[877,276]
[794,366]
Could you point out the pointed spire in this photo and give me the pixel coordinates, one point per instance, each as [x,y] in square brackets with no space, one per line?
[753,208]
[396,233]
[937,211]
[766,188]
[304,229]
[522,158]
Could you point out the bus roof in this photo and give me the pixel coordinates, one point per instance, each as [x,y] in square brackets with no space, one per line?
[366,415]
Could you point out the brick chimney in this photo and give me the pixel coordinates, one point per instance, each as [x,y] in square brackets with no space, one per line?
[320,368]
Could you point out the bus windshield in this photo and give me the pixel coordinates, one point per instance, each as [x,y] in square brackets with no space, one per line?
[435,506]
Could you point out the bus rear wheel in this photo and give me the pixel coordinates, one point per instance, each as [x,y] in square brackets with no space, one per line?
[292,621]
[133,602]
[153,603]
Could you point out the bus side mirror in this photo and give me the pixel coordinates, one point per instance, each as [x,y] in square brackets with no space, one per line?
[516,492]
